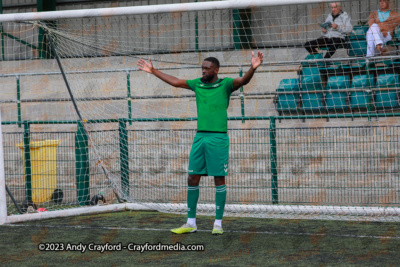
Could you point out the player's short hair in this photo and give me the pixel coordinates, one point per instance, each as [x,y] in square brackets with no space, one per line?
[213,60]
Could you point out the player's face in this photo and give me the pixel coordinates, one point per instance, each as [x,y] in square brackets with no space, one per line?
[383,4]
[209,70]
[335,9]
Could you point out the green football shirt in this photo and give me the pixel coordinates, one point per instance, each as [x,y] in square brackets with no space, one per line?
[212,100]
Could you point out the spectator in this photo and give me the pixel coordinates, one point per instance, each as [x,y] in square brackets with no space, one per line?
[381,26]
[337,25]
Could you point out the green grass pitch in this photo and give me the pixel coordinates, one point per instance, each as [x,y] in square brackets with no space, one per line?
[246,241]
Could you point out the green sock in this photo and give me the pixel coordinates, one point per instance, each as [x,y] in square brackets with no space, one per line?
[220,198]
[192,198]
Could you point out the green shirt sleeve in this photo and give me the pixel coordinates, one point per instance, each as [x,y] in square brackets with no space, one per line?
[192,83]
[229,85]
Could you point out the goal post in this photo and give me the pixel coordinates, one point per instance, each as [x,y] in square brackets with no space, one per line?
[3,199]
[86,131]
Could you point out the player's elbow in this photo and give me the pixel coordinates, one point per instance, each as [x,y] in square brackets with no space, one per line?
[174,82]
[179,84]
[244,83]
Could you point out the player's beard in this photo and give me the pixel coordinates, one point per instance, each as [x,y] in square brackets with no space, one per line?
[207,78]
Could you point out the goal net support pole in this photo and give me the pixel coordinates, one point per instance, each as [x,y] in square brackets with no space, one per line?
[53,49]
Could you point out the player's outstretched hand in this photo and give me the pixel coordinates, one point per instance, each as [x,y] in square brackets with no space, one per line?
[256,61]
[145,66]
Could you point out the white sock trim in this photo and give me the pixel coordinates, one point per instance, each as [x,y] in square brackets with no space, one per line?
[191,221]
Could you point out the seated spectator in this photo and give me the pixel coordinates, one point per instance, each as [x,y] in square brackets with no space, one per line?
[337,25]
[381,26]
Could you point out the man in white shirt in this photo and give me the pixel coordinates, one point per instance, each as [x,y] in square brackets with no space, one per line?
[337,26]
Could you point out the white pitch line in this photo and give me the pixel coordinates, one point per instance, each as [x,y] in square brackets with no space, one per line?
[225,231]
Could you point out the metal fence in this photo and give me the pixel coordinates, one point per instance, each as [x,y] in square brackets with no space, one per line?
[320,166]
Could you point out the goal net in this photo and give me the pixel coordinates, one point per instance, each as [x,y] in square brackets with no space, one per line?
[85,130]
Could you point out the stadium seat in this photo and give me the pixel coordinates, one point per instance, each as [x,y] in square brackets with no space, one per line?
[357,44]
[380,65]
[387,99]
[312,62]
[357,65]
[358,33]
[337,100]
[287,102]
[311,81]
[335,68]
[361,99]
[357,48]
[311,102]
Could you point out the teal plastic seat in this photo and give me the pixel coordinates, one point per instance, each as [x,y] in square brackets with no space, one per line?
[312,62]
[357,44]
[358,33]
[311,79]
[361,99]
[288,102]
[380,65]
[357,48]
[337,100]
[311,102]
[358,64]
[387,99]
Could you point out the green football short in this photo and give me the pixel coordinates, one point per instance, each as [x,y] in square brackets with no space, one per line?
[209,154]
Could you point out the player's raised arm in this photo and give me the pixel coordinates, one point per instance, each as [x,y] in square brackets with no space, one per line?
[255,63]
[147,66]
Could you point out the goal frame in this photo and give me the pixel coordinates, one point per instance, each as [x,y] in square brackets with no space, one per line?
[153,9]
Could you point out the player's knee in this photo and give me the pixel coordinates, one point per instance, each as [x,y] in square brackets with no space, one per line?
[219,180]
[193,180]
[374,27]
